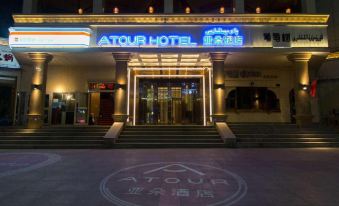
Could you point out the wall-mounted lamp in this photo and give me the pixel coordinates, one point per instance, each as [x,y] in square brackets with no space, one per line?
[258,10]
[80,11]
[36,86]
[222,10]
[288,10]
[187,10]
[116,10]
[151,10]
[119,86]
[219,86]
[304,87]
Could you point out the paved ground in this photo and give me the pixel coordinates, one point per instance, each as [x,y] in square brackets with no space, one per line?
[170,177]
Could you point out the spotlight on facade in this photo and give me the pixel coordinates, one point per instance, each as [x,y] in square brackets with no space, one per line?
[219,86]
[151,10]
[288,10]
[258,10]
[187,10]
[36,86]
[116,10]
[222,10]
[80,11]
[304,87]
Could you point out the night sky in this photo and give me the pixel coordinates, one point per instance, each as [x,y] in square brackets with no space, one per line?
[7,8]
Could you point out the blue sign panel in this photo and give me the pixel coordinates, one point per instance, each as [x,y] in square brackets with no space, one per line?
[171,37]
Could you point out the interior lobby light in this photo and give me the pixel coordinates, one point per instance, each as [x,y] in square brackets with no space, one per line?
[116,10]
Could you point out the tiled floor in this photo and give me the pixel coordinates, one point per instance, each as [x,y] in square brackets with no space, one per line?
[170,177]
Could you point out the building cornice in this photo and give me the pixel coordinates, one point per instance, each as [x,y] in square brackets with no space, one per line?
[173,19]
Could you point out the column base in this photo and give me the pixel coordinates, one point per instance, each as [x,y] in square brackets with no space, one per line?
[303,120]
[120,117]
[34,121]
[219,117]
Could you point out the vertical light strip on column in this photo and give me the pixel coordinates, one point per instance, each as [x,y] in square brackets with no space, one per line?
[210,88]
[128,92]
[134,98]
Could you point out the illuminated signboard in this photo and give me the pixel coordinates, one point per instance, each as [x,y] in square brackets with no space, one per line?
[49,37]
[7,59]
[223,37]
[211,37]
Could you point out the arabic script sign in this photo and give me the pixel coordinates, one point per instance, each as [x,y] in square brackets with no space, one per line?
[173,184]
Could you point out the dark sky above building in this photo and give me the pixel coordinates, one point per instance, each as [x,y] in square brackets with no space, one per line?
[7,8]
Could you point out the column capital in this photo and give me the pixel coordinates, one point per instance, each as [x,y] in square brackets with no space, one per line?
[121,56]
[38,57]
[299,57]
[218,56]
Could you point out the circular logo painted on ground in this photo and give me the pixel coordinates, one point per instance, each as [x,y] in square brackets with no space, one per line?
[14,163]
[173,183]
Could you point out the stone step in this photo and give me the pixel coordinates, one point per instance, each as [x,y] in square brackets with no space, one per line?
[51,146]
[167,140]
[50,141]
[172,132]
[169,145]
[268,139]
[73,137]
[286,144]
[51,134]
[168,136]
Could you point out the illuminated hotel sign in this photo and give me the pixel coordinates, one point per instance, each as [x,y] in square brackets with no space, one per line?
[223,37]
[49,37]
[152,41]
[170,36]
[216,36]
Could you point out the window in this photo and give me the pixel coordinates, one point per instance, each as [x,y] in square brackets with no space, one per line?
[252,98]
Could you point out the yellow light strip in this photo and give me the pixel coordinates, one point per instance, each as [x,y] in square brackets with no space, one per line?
[170,68]
[174,18]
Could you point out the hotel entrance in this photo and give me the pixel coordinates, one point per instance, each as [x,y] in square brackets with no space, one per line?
[170,101]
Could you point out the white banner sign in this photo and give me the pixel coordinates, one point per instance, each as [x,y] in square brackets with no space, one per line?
[7,59]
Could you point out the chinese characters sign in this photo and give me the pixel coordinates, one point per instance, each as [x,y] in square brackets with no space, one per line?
[171,36]
[173,184]
[212,37]
[7,59]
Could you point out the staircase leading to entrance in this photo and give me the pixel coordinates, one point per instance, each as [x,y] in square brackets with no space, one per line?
[53,137]
[169,137]
[284,135]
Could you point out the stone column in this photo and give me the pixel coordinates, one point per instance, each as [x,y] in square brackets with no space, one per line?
[308,6]
[239,6]
[168,6]
[120,93]
[301,88]
[38,90]
[98,7]
[30,6]
[219,106]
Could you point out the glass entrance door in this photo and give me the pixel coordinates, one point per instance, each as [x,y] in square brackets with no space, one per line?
[170,101]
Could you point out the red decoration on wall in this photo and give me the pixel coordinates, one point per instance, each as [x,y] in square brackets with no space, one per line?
[313,91]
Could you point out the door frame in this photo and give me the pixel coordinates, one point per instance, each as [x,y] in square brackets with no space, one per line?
[170,76]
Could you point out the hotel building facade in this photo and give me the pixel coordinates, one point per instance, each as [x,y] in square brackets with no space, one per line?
[231,61]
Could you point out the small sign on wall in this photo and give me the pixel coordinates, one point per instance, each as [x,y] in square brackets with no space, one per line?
[7,59]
